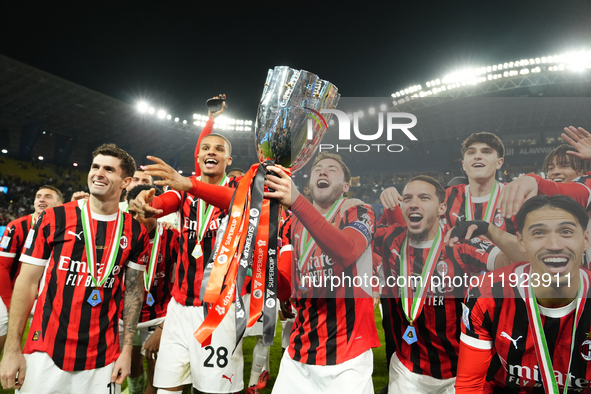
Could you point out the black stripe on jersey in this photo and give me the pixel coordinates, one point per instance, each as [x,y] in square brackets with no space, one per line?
[477,210]
[192,266]
[297,341]
[450,203]
[59,348]
[182,240]
[579,368]
[331,329]
[313,334]
[442,315]
[349,303]
[24,231]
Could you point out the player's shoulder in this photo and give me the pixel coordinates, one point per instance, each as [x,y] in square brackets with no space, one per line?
[584,179]
[497,283]
[455,190]
[17,222]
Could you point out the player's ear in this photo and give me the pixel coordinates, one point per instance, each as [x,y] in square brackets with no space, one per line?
[229,161]
[500,162]
[126,181]
[587,241]
[520,242]
[441,210]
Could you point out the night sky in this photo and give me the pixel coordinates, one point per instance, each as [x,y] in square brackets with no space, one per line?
[176,54]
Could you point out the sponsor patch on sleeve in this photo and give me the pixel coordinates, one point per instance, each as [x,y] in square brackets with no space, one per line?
[5,242]
[362,228]
[29,240]
[466,316]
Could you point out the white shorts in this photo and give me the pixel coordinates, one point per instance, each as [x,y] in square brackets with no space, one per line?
[352,376]
[404,381]
[43,376]
[143,332]
[3,318]
[257,328]
[182,360]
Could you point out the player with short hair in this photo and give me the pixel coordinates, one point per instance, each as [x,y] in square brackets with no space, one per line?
[526,327]
[482,155]
[87,248]
[11,246]
[158,282]
[182,360]
[424,317]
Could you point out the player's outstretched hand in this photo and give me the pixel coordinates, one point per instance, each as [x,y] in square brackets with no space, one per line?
[170,177]
[580,139]
[221,111]
[13,368]
[80,196]
[349,203]
[168,226]
[141,204]
[122,367]
[464,231]
[282,184]
[390,198]
[514,194]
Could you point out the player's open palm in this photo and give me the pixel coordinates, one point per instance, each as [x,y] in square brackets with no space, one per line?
[13,368]
[580,139]
[390,198]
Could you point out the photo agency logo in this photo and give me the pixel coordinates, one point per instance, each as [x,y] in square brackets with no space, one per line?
[373,141]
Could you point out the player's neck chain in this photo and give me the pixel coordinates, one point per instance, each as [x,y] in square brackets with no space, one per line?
[412,306]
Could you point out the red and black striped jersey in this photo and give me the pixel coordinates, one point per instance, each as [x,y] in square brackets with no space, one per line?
[189,270]
[455,198]
[496,318]
[332,327]
[10,253]
[75,334]
[435,353]
[161,289]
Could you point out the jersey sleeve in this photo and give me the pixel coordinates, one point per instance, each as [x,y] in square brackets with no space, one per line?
[476,255]
[11,241]
[140,254]
[477,314]
[39,242]
[169,202]
[579,190]
[472,366]
[207,129]
[343,245]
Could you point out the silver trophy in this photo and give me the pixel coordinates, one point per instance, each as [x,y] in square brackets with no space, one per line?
[289,114]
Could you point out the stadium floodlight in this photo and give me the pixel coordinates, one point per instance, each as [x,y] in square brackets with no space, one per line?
[169,117]
[195,116]
[75,164]
[360,114]
[40,157]
[176,119]
[161,114]
[151,110]
[372,111]
[180,171]
[142,106]
[4,151]
[383,107]
[184,122]
[247,129]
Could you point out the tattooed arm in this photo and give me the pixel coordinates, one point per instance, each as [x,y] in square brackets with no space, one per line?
[132,307]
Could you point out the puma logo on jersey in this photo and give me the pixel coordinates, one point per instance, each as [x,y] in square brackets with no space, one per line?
[460,217]
[229,378]
[505,335]
[9,229]
[76,235]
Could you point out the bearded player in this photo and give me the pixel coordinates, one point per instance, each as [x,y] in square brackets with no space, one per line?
[482,156]
[12,245]
[87,249]
[181,359]
[528,324]
[426,336]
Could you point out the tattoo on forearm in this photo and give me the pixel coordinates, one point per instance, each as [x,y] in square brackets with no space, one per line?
[132,306]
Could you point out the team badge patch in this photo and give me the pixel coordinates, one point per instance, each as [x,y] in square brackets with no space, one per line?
[466,316]
[95,298]
[499,220]
[150,300]
[29,240]
[124,242]
[586,350]
[36,336]
[442,268]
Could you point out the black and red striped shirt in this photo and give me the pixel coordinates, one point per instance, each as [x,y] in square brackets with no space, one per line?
[438,325]
[189,270]
[75,334]
[455,198]
[161,289]
[497,319]
[330,329]
[10,252]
